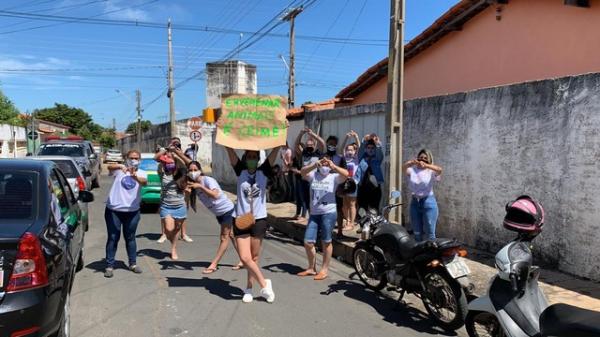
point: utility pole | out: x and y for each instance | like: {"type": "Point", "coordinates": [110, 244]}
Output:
{"type": "Point", "coordinates": [114, 124]}
{"type": "Point", "coordinates": [138, 99]}
{"type": "Point", "coordinates": [32, 134]}
{"type": "Point", "coordinates": [171, 90]}
{"type": "Point", "coordinates": [395, 103]}
{"type": "Point", "coordinates": [291, 17]}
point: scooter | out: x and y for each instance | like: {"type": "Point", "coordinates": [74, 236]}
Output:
{"type": "Point", "coordinates": [433, 270]}
{"type": "Point", "coordinates": [515, 306]}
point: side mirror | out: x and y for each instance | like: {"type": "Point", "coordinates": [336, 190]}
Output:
{"type": "Point", "coordinates": [93, 156]}
{"type": "Point", "coordinates": [362, 212]}
{"type": "Point", "coordinates": [85, 196]}
{"type": "Point", "coordinates": [395, 194]}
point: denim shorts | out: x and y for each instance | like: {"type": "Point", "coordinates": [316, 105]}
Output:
{"type": "Point", "coordinates": [321, 224]}
{"type": "Point", "coordinates": [226, 219]}
{"type": "Point", "coordinates": [177, 212]}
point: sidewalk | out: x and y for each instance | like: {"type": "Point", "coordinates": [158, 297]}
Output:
{"type": "Point", "coordinates": [558, 287]}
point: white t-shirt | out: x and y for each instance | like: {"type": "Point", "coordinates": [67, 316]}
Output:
{"type": "Point", "coordinates": [125, 194]}
{"type": "Point", "coordinates": [218, 206]}
{"type": "Point", "coordinates": [252, 187]}
{"type": "Point", "coordinates": [322, 192]}
{"type": "Point", "coordinates": [420, 181]}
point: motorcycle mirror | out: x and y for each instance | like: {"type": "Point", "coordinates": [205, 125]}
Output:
{"type": "Point", "coordinates": [373, 211]}
{"type": "Point", "coordinates": [395, 194]}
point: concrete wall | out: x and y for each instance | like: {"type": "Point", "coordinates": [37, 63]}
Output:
{"type": "Point", "coordinates": [160, 135]}
{"type": "Point", "coordinates": [534, 40]}
{"type": "Point", "coordinates": [8, 135]}
{"type": "Point", "coordinates": [539, 138]}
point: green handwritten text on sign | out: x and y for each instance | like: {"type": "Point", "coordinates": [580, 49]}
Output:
{"type": "Point", "coordinates": [252, 122]}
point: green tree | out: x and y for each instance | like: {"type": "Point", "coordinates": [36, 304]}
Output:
{"type": "Point", "coordinates": [146, 125]}
{"type": "Point", "coordinates": [75, 118]}
{"type": "Point", "coordinates": [107, 140]}
{"type": "Point", "coordinates": [8, 111]}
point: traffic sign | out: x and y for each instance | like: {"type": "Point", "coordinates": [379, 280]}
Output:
{"type": "Point", "coordinates": [194, 123]}
{"type": "Point", "coordinates": [195, 136]}
{"type": "Point", "coordinates": [33, 135]}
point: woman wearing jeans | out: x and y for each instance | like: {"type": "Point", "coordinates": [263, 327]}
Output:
{"type": "Point", "coordinates": [323, 212]}
{"type": "Point", "coordinates": [123, 210]}
{"type": "Point", "coordinates": [421, 175]}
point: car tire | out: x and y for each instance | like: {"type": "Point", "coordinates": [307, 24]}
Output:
{"type": "Point", "coordinates": [65, 323]}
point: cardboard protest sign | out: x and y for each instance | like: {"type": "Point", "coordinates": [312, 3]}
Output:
{"type": "Point", "coordinates": [252, 122]}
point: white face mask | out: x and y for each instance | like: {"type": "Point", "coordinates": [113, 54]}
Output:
{"type": "Point", "coordinates": [324, 170]}
{"type": "Point", "coordinates": [133, 163]}
{"type": "Point", "coordinates": [194, 175]}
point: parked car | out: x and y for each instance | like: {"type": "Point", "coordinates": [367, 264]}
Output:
{"type": "Point", "coordinates": [41, 247]}
{"type": "Point", "coordinates": [80, 150]}
{"type": "Point", "coordinates": [113, 156]}
{"type": "Point", "coordinates": [76, 180]}
{"type": "Point", "coordinates": [151, 191]}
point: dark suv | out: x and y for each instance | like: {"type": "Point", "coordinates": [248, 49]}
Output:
{"type": "Point", "coordinates": [41, 248]}
{"type": "Point", "coordinates": [79, 149]}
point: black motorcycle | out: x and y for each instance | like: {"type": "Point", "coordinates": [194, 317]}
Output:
{"type": "Point", "coordinates": [434, 271]}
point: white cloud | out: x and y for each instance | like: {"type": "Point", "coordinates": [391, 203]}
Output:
{"type": "Point", "coordinates": [28, 62]}
{"type": "Point", "coordinates": [119, 11]}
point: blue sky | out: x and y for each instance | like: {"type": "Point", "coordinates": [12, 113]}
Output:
{"type": "Point", "coordinates": [90, 62]}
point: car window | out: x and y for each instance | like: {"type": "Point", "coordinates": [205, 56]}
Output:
{"type": "Point", "coordinates": [59, 193]}
{"type": "Point", "coordinates": [149, 165]}
{"type": "Point", "coordinates": [67, 167]}
{"type": "Point", "coordinates": [18, 191]}
{"type": "Point", "coordinates": [69, 150]}
{"type": "Point", "coordinates": [66, 188]}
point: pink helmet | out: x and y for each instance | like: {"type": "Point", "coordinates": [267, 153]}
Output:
{"type": "Point", "coordinates": [524, 215]}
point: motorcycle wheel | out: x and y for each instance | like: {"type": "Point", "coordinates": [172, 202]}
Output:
{"type": "Point", "coordinates": [366, 264]}
{"type": "Point", "coordinates": [483, 324]}
{"type": "Point", "coordinates": [444, 299]}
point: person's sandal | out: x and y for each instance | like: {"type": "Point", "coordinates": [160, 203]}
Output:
{"type": "Point", "coordinates": [307, 273]}
{"type": "Point", "coordinates": [320, 276]}
{"type": "Point", "coordinates": [210, 270]}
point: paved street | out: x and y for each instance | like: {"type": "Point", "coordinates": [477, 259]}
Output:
{"type": "Point", "coordinates": [173, 298]}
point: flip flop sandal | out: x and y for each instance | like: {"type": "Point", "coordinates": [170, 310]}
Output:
{"type": "Point", "coordinates": [320, 276]}
{"type": "Point", "coordinates": [306, 273]}
{"type": "Point", "coordinates": [238, 267]}
{"type": "Point", "coordinates": [209, 270]}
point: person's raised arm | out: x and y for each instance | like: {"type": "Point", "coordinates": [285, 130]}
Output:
{"type": "Point", "coordinates": [159, 153]}
{"type": "Point", "coordinates": [115, 167]}
{"type": "Point", "coordinates": [319, 140]}
{"type": "Point", "coordinates": [297, 146]}
{"type": "Point", "coordinates": [340, 170]}
{"type": "Point", "coordinates": [309, 168]}
{"type": "Point", "coordinates": [233, 157]}
{"type": "Point", "coordinates": [181, 156]}
{"type": "Point", "coordinates": [434, 168]}
{"type": "Point", "coordinates": [408, 164]}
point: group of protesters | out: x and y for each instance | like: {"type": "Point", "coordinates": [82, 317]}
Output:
{"type": "Point", "coordinates": [331, 181]}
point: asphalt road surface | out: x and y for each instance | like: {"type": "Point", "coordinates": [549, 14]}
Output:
{"type": "Point", "coordinates": [173, 298]}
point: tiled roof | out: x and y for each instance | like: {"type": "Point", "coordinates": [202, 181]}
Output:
{"type": "Point", "coordinates": [450, 21]}
{"type": "Point", "coordinates": [296, 113]}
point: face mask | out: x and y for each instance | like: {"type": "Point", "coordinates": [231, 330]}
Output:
{"type": "Point", "coordinates": [370, 152]}
{"type": "Point", "coordinates": [170, 167]}
{"type": "Point", "coordinates": [251, 164]}
{"type": "Point", "coordinates": [194, 175]}
{"type": "Point", "coordinates": [133, 163]}
{"type": "Point", "coordinates": [310, 149]}
{"type": "Point", "coordinates": [324, 170]}
{"type": "Point", "coordinates": [331, 149]}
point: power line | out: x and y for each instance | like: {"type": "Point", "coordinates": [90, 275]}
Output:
{"type": "Point", "coordinates": [55, 11]}
{"type": "Point", "coordinates": [76, 69]}
{"type": "Point", "coordinates": [74, 20]}
{"type": "Point", "coordinates": [156, 25]}
{"type": "Point", "coordinates": [362, 8]}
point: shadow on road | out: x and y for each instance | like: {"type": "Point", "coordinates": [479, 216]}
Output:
{"type": "Point", "coordinates": [153, 253]}
{"type": "Point", "coordinates": [283, 268]}
{"type": "Point", "coordinates": [99, 266]}
{"type": "Point", "coordinates": [403, 315]}
{"type": "Point", "coordinates": [183, 265]}
{"type": "Point", "coordinates": [216, 287]}
{"type": "Point", "coordinates": [149, 236]}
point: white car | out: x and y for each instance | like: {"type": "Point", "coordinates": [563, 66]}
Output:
{"type": "Point", "coordinates": [113, 155]}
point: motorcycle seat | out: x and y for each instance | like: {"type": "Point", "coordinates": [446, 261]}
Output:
{"type": "Point", "coordinates": [563, 320]}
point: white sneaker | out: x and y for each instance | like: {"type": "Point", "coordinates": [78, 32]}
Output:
{"type": "Point", "coordinates": [162, 239]}
{"type": "Point", "coordinates": [247, 296]}
{"type": "Point", "coordinates": [186, 238]}
{"type": "Point", "coordinates": [267, 292]}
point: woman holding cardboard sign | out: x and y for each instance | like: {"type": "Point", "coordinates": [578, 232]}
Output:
{"type": "Point", "coordinates": [250, 224]}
